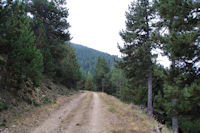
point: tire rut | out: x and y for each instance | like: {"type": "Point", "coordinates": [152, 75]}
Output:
{"type": "Point", "coordinates": [87, 117]}
{"type": "Point", "coordinates": [96, 120]}
{"type": "Point", "coordinates": [53, 122]}
{"type": "Point", "coordinates": [76, 121]}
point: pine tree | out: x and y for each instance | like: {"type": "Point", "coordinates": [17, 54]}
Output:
{"type": "Point", "coordinates": [42, 44]}
{"type": "Point", "coordinates": [67, 68]}
{"type": "Point", "coordinates": [101, 75]}
{"type": "Point", "coordinates": [137, 50]}
{"type": "Point", "coordinates": [24, 60]}
{"type": "Point", "coordinates": [5, 19]}
{"type": "Point", "coordinates": [53, 15]}
{"type": "Point", "coordinates": [51, 28]}
{"type": "Point", "coordinates": [181, 45]}
{"type": "Point", "coordinates": [89, 84]}
{"type": "Point", "coordinates": [118, 81]}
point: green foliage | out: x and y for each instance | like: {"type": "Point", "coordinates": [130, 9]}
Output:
{"type": "Point", "coordinates": [67, 68]}
{"type": "Point", "coordinates": [53, 16]}
{"type": "Point", "coordinates": [42, 44]}
{"type": "Point", "coordinates": [3, 123]}
{"type": "Point", "coordinates": [24, 60]}
{"type": "Point", "coordinates": [50, 26]}
{"type": "Point", "coordinates": [6, 15]}
{"type": "Point", "coordinates": [81, 83]}
{"type": "Point", "coordinates": [26, 64]}
{"type": "Point", "coordinates": [189, 107]}
{"type": "Point", "coordinates": [101, 75]}
{"type": "Point", "coordinates": [118, 81]}
{"type": "Point", "coordinates": [107, 84]}
{"type": "Point", "coordinates": [181, 45]}
{"type": "Point", "coordinates": [126, 94]}
{"type": "Point", "coordinates": [88, 58]}
{"type": "Point", "coordinates": [3, 105]}
{"type": "Point", "coordinates": [89, 83]}
{"type": "Point", "coordinates": [31, 44]}
{"type": "Point", "coordinates": [137, 48]}
{"type": "Point", "coordinates": [47, 100]}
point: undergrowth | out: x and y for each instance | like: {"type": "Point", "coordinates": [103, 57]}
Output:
{"type": "Point", "coordinates": [14, 105]}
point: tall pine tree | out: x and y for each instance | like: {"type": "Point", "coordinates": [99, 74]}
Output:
{"type": "Point", "coordinates": [67, 68]}
{"type": "Point", "coordinates": [51, 28]}
{"type": "Point", "coordinates": [181, 44]}
{"type": "Point", "coordinates": [24, 60]}
{"type": "Point", "coordinates": [53, 15]}
{"type": "Point", "coordinates": [137, 59]}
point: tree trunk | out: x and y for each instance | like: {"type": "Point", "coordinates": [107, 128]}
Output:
{"type": "Point", "coordinates": [6, 74]}
{"type": "Point", "coordinates": [175, 124]}
{"type": "Point", "coordinates": [118, 88]}
{"type": "Point", "coordinates": [150, 107]}
{"type": "Point", "coordinates": [174, 101]}
{"type": "Point", "coordinates": [174, 120]}
{"type": "Point", "coordinates": [102, 85]}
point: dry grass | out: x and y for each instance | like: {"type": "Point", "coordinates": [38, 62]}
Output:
{"type": "Point", "coordinates": [124, 119]}
{"type": "Point", "coordinates": [38, 115]}
{"type": "Point", "coordinates": [26, 116]}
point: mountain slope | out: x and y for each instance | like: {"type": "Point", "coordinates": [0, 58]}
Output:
{"type": "Point", "coordinates": [87, 57]}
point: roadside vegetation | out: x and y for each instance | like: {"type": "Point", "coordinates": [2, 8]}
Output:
{"type": "Point", "coordinates": [170, 95]}
{"type": "Point", "coordinates": [129, 118]}
{"type": "Point", "coordinates": [38, 63]}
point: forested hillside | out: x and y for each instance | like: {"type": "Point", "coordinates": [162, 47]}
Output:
{"type": "Point", "coordinates": [88, 57]}
{"type": "Point", "coordinates": [32, 47]}
{"type": "Point", "coordinates": [38, 64]}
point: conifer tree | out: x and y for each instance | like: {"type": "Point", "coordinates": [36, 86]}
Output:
{"type": "Point", "coordinates": [118, 81]}
{"type": "Point", "coordinates": [67, 68]}
{"type": "Point", "coordinates": [42, 44]}
{"type": "Point", "coordinates": [51, 28]}
{"type": "Point", "coordinates": [181, 45]}
{"type": "Point", "coordinates": [101, 75]}
{"type": "Point", "coordinates": [137, 57]}
{"type": "Point", "coordinates": [89, 83]}
{"type": "Point", "coordinates": [24, 60]}
{"type": "Point", "coordinates": [53, 15]}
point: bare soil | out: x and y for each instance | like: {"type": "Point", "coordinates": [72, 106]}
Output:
{"type": "Point", "coordinates": [87, 112]}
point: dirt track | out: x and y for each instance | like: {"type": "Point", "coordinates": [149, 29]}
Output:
{"type": "Point", "coordinates": [81, 115]}
{"type": "Point", "coordinates": [87, 112]}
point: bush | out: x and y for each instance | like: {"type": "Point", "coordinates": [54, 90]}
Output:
{"type": "Point", "coordinates": [3, 105]}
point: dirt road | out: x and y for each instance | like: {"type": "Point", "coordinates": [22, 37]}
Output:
{"type": "Point", "coordinates": [81, 115]}
{"type": "Point", "coordinates": [88, 112]}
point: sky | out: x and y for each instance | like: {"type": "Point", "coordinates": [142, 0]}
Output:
{"type": "Point", "coordinates": [97, 23]}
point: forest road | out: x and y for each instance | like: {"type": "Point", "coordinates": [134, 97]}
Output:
{"type": "Point", "coordinates": [82, 115]}
{"type": "Point", "coordinates": [85, 112]}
